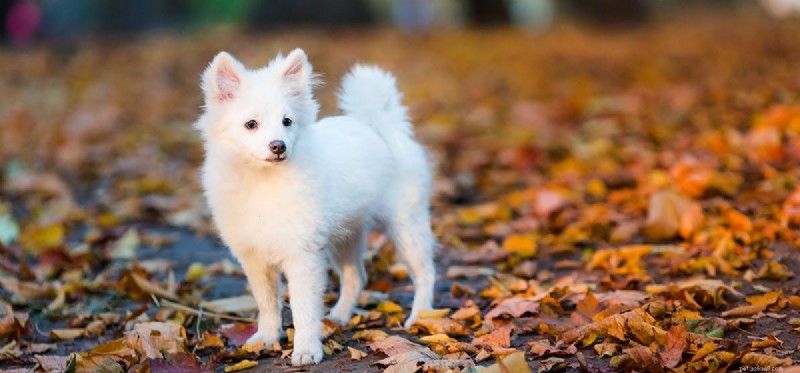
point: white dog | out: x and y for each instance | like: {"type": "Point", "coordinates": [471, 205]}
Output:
{"type": "Point", "coordinates": [290, 194]}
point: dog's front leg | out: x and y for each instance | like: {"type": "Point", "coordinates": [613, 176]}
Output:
{"type": "Point", "coordinates": [306, 275]}
{"type": "Point", "coordinates": [264, 280]}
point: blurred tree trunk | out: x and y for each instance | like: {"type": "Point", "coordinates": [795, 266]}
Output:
{"type": "Point", "coordinates": [268, 14]}
{"type": "Point", "coordinates": [488, 12]}
{"type": "Point", "coordinates": [611, 12]}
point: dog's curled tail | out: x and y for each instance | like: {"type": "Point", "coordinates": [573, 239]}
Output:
{"type": "Point", "coordinates": [370, 94]}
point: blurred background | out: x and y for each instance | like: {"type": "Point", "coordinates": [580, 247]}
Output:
{"type": "Point", "coordinates": [61, 20]}
{"type": "Point", "coordinates": [98, 97]}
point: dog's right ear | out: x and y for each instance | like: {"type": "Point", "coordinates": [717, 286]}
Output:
{"type": "Point", "coordinates": [222, 79]}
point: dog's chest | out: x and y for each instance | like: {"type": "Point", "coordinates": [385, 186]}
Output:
{"type": "Point", "coordinates": [254, 213]}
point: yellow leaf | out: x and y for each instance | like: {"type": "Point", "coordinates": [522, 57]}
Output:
{"type": "Point", "coordinates": [65, 334]}
{"type": "Point", "coordinates": [242, 365]}
{"type": "Point", "coordinates": [512, 363]}
{"type": "Point", "coordinates": [434, 314]}
{"type": "Point", "coordinates": [35, 238]}
{"type": "Point", "coordinates": [524, 246]}
{"type": "Point", "coordinates": [196, 271]}
{"type": "Point", "coordinates": [389, 307]}
{"type": "Point", "coordinates": [436, 338]}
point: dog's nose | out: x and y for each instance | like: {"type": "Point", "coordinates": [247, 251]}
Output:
{"type": "Point", "coordinates": [277, 147]}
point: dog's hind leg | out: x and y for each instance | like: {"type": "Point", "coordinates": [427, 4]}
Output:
{"type": "Point", "coordinates": [348, 261]}
{"type": "Point", "coordinates": [411, 234]}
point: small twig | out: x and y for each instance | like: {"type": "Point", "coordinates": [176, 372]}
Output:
{"type": "Point", "coordinates": [177, 306]}
{"type": "Point", "coordinates": [197, 329]}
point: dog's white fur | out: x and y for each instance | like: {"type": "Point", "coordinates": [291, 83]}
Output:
{"type": "Point", "coordinates": [342, 178]}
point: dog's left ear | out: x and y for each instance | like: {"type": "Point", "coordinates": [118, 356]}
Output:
{"type": "Point", "coordinates": [297, 73]}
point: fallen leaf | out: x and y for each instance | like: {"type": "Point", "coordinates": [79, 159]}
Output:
{"type": "Point", "coordinates": [356, 354]}
{"type": "Point", "coordinates": [766, 361]}
{"type": "Point", "coordinates": [669, 214]}
{"type": "Point", "coordinates": [66, 334]}
{"type": "Point", "coordinates": [238, 333]}
{"type": "Point", "coordinates": [242, 365]}
{"type": "Point", "coordinates": [242, 303]}
{"type": "Point", "coordinates": [512, 363]}
{"type": "Point", "coordinates": [370, 335]}
{"type": "Point", "coordinates": [521, 245]}
{"type": "Point", "coordinates": [676, 344]}
{"type": "Point", "coordinates": [52, 363]}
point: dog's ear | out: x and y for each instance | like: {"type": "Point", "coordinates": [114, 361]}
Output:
{"type": "Point", "coordinates": [222, 79]}
{"type": "Point", "coordinates": [297, 73]}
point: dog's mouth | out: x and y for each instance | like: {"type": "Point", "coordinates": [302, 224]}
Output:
{"type": "Point", "coordinates": [277, 159]}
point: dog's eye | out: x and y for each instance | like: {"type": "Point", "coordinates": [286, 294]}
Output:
{"type": "Point", "coordinates": [251, 124]}
{"type": "Point", "coordinates": [287, 121]}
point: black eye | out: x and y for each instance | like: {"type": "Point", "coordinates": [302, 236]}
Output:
{"type": "Point", "coordinates": [287, 121]}
{"type": "Point", "coordinates": [251, 124]}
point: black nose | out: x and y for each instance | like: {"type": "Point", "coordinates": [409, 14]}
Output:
{"type": "Point", "coordinates": [278, 147]}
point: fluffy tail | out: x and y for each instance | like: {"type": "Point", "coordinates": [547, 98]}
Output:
{"type": "Point", "coordinates": [370, 94]}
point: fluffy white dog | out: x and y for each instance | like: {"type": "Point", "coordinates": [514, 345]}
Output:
{"type": "Point", "coordinates": [290, 194]}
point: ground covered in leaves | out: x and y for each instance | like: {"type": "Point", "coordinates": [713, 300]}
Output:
{"type": "Point", "coordinates": [605, 201]}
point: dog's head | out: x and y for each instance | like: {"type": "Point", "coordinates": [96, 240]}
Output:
{"type": "Point", "coordinates": [258, 114]}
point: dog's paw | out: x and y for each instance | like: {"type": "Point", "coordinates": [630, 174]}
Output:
{"type": "Point", "coordinates": [306, 354]}
{"type": "Point", "coordinates": [267, 338]}
{"type": "Point", "coordinates": [339, 317]}
{"type": "Point", "coordinates": [411, 320]}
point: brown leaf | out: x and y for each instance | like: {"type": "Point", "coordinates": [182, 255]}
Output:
{"type": "Point", "coordinates": [153, 339]}
{"type": "Point", "coordinates": [607, 348]}
{"type": "Point", "coordinates": [766, 361]}
{"type": "Point", "coordinates": [52, 363]}
{"type": "Point", "coordinates": [370, 335]}
{"type": "Point", "coordinates": [498, 338]}
{"type": "Point", "coordinates": [14, 325]}
{"type": "Point", "coordinates": [748, 310]}
{"type": "Point", "coordinates": [403, 355]}
{"type": "Point", "coordinates": [544, 348]}
{"type": "Point", "coordinates": [450, 327]}
{"type": "Point", "coordinates": [770, 341]}
{"type": "Point", "coordinates": [137, 286]}
{"type": "Point", "coordinates": [676, 344]}
{"type": "Point", "coordinates": [238, 333]}
{"type": "Point", "coordinates": [642, 358]}
{"type": "Point", "coordinates": [513, 308]}
{"type": "Point", "coordinates": [10, 351]}
{"type": "Point", "coordinates": [669, 214]}
{"type": "Point", "coordinates": [209, 340]}
{"type": "Point", "coordinates": [774, 271]}
{"type": "Point", "coordinates": [180, 363]}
